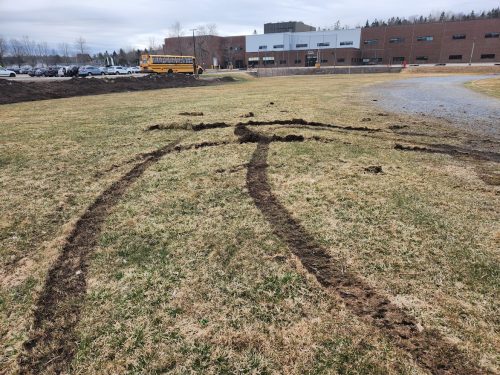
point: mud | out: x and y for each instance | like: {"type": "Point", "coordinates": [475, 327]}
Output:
{"type": "Point", "coordinates": [191, 114]}
{"type": "Point", "coordinates": [299, 121]}
{"type": "Point", "coordinates": [428, 348]}
{"type": "Point", "coordinates": [455, 151]}
{"type": "Point", "coordinates": [15, 92]}
{"type": "Point", "coordinates": [196, 146]}
{"type": "Point", "coordinates": [214, 125]}
{"type": "Point", "coordinates": [375, 169]}
{"type": "Point", "coordinates": [53, 342]}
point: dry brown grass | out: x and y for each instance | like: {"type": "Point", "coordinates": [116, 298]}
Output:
{"type": "Point", "coordinates": [461, 69]}
{"type": "Point", "coordinates": [189, 277]}
{"type": "Point", "coordinates": [487, 86]}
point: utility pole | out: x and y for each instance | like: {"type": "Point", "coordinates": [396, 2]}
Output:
{"type": "Point", "coordinates": [195, 64]}
{"type": "Point", "coordinates": [472, 52]}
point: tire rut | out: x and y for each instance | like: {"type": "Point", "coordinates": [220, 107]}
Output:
{"type": "Point", "coordinates": [428, 348]}
{"type": "Point", "coordinates": [53, 340]}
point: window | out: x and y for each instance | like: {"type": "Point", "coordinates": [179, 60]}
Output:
{"type": "Point", "coordinates": [268, 60]}
{"type": "Point", "coordinates": [422, 58]}
{"type": "Point", "coordinates": [371, 41]}
{"type": "Point", "coordinates": [347, 43]}
{"type": "Point", "coordinates": [253, 60]}
{"type": "Point", "coordinates": [301, 45]}
{"type": "Point", "coordinates": [324, 60]}
{"type": "Point", "coordinates": [397, 40]}
{"type": "Point", "coordinates": [326, 44]}
{"type": "Point", "coordinates": [298, 61]}
{"type": "Point", "coordinates": [262, 47]}
{"type": "Point", "coordinates": [455, 57]}
{"type": "Point", "coordinates": [492, 35]}
{"type": "Point", "coordinates": [279, 46]}
{"type": "Point", "coordinates": [340, 59]}
{"type": "Point", "coordinates": [355, 60]}
{"type": "Point", "coordinates": [458, 36]}
{"type": "Point", "coordinates": [282, 62]}
{"type": "Point", "coordinates": [488, 56]}
{"type": "Point", "coordinates": [398, 59]}
{"type": "Point", "coordinates": [425, 38]}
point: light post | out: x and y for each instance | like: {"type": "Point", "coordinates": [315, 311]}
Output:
{"type": "Point", "coordinates": [472, 51]}
{"type": "Point", "coordinates": [195, 67]}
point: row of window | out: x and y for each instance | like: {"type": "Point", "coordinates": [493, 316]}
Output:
{"type": "Point", "coordinates": [268, 61]}
{"type": "Point", "coordinates": [305, 45]}
{"type": "Point", "coordinates": [427, 38]}
{"type": "Point", "coordinates": [484, 56]}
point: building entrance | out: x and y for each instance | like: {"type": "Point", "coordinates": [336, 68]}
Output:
{"type": "Point", "coordinates": [311, 60]}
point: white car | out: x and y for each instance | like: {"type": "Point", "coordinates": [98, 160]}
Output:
{"type": "Point", "coordinates": [134, 69]}
{"type": "Point", "coordinates": [7, 73]}
{"type": "Point", "coordinates": [116, 70]}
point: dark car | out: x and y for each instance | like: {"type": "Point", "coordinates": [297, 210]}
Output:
{"type": "Point", "coordinates": [52, 71]}
{"type": "Point", "coordinates": [89, 70]}
{"type": "Point", "coordinates": [39, 72]}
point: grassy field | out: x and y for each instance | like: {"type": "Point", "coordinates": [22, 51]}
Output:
{"type": "Point", "coordinates": [188, 275]}
{"type": "Point", "coordinates": [486, 86]}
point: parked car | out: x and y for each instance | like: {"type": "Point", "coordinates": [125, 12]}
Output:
{"type": "Point", "coordinates": [134, 69]}
{"type": "Point", "coordinates": [15, 69]}
{"type": "Point", "coordinates": [25, 69]}
{"type": "Point", "coordinates": [52, 71]}
{"type": "Point", "coordinates": [7, 73]}
{"type": "Point", "coordinates": [116, 70]}
{"type": "Point", "coordinates": [89, 70]}
{"type": "Point", "coordinates": [40, 72]}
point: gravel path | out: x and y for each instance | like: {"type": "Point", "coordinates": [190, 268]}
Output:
{"type": "Point", "coordinates": [443, 97]}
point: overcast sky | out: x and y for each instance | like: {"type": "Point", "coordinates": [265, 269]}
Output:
{"type": "Point", "coordinates": [111, 24]}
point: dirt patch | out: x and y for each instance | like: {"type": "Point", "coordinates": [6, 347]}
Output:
{"type": "Point", "coordinates": [15, 92]}
{"type": "Point", "coordinates": [429, 349]}
{"type": "Point", "coordinates": [191, 114]}
{"type": "Point", "coordinates": [52, 343]}
{"type": "Point", "coordinates": [214, 125]}
{"type": "Point", "coordinates": [452, 151]}
{"type": "Point", "coordinates": [299, 121]}
{"type": "Point", "coordinates": [375, 169]}
{"type": "Point", "coordinates": [196, 146]}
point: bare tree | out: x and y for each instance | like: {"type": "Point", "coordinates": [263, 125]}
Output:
{"type": "Point", "coordinates": [154, 46]}
{"type": "Point", "coordinates": [3, 48]}
{"type": "Point", "coordinates": [17, 50]}
{"type": "Point", "coordinates": [29, 49]}
{"type": "Point", "coordinates": [42, 51]}
{"type": "Point", "coordinates": [64, 50]}
{"type": "Point", "coordinates": [212, 29]}
{"type": "Point", "coordinates": [81, 45]}
{"type": "Point", "coordinates": [176, 31]}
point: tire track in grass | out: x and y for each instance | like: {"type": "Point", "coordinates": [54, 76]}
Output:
{"type": "Point", "coordinates": [427, 347]}
{"type": "Point", "coordinates": [53, 342]}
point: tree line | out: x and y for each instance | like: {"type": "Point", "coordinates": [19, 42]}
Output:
{"type": "Point", "coordinates": [27, 51]}
{"type": "Point", "coordinates": [437, 17]}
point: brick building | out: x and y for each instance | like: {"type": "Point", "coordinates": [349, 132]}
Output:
{"type": "Point", "coordinates": [211, 50]}
{"type": "Point", "coordinates": [477, 41]}
{"type": "Point", "coordinates": [443, 42]}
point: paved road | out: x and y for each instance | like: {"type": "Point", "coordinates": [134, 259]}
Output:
{"type": "Point", "coordinates": [443, 97]}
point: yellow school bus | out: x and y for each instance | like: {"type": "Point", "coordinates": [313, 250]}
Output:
{"type": "Point", "coordinates": [168, 64]}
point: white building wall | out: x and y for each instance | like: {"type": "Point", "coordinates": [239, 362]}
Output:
{"type": "Point", "coordinates": [309, 40]}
